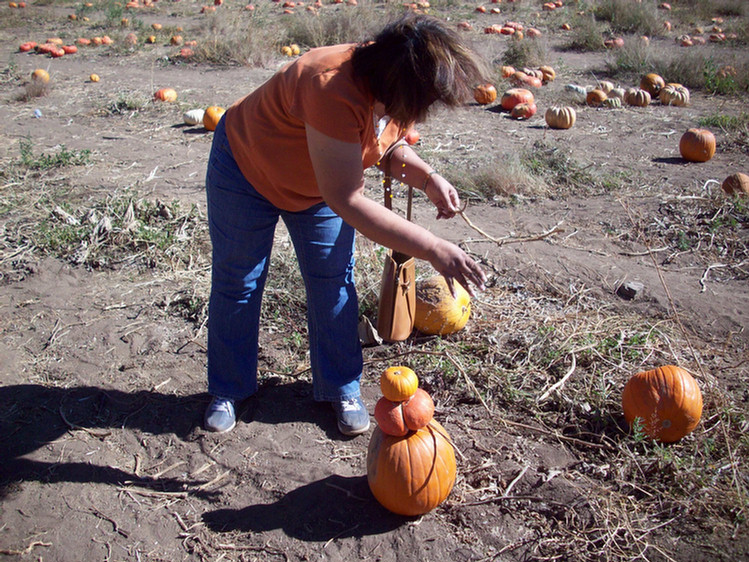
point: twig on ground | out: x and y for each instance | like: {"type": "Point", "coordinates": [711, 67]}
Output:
{"type": "Point", "coordinates": [116, 527]}
{"type": "Point", "coordinates": [560, 383]}
{"type": "Point", "coordinates": [26, 550]}
{"type": "Point", "coordinates": [98, 434]}
{"type": "Point", "coordinates": [515, 480]}
{"type": "Point", "coordinates": [510, 239]}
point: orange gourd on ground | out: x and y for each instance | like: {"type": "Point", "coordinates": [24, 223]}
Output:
{"type": "Point", "coordinates": [514, 96]}
{"type": "Point", "coordinates": [40, 75]}
{"type": "Point", "coordinates": [667, 401]}
{"type": "Point", "coordinates": [652, 84]}
{"type": "Point", "coordinates": [212, 116]}
{"type": "Point", "coordinates": [697, 145]}
{"type": "Point", "coordinates": [595, 98]}
{"type": "Point", "coordinates": [165, 94]}
{"type": "Point", "coordinates": [485, 94]}
{"type": "Point", "coordinates": [437, 311]}
{"type": "Point", "coordinates": [411, 475]}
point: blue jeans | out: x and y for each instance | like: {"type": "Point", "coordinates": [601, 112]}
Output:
{"type": "Point", "coordinates": [241, 224]}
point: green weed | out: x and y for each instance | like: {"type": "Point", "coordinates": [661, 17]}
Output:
{"type": "Point", "coordinates": [60, 159]}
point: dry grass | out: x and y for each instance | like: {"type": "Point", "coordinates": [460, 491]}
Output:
{"type": "Point", "coordinates": [339, 24]}
{"type": "Point", "coordinates": [251, 40]}
{"type": "Point", "coordinates": [625, 16]}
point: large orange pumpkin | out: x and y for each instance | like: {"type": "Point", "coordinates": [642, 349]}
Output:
{"type": "Point", "coordinates": [667, 400]}
{"type": "Point", "coordinates": [398, 418]}
{"type": "Point", "coordinates": [652, 84]}
{"type": "Point", "coordinates": [514, 96]}
{"type": "Point", "coordinates": [697, 145]}
{"type": "Point", "coordinates": [437, 312]}
{"type": "Point", "coordinates": [411, 475]}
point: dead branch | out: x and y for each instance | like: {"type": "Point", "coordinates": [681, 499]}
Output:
{"type": "Point", "coordinates": [510, 239]}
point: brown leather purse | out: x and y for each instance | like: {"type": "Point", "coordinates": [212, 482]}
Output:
{"type": "Point", "coordinates": [397, 304]}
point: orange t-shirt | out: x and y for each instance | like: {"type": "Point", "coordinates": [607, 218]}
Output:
{"type": "Point", "coordinates": [266, 128]}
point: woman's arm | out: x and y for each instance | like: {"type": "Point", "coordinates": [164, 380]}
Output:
{"type": "Point", "coordinates": [337, 166]}
{"type": "Point", "coordinates": [407, 167]}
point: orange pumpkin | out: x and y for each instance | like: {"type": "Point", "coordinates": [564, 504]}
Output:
{"type": "Point", "coordinates": [523, 111]}
{"type": "Point", "coordinates": [398, 418]}
{"type": "Point", "coordinates": [411, 475]}
{"type": "Point", "coordinates": [437, 312]}
{"type": "Point", "coordinates": [667, 401]}
{"type": "Point", "coordinates": [595, 98]}
{"type": "Point", "coordinates": [40, 75]}
{"type": "Point", "coordinates": [652, 84]}
{"type": "Point", "coordinates": [165, 94]}
{"type": "Point", "coordinates": [736, 184]}
{"type": "Point", "coordinates": [514, 96]}
{"type": "Point", "coordinates": [697, 145]}
{"type": "Point", "coordinates": [398, 383]}
{"type": "Point", "coordinates": [485, 94]}
{"type": "Point", "coordinates": [212, 116]}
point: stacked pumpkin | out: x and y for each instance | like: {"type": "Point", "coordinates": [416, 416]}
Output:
{"type": "Point", "coordinates": [410, 460]}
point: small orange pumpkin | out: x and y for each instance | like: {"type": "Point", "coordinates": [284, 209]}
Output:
{"type": "Point", "coordinates": [697, 145]}
{"type": "Point", "coordinates": [398, 383]}
{"type": "Point", "coordinates": [411, 475]}
{"type": "Point", "coordinates": [485, 94]}
{"type": "Point", "coordinates": [595, 98]}
{"type": "Point", "coordinates": [667, 400]}
{"type": "Point", "coordinates": [165, 94]}
{"type": "Point", "coordinates": [437, 312]}
{"type": "Point", "coordinates": [40, 75]}
{"type": "Point", "coordinates": [212, 116]}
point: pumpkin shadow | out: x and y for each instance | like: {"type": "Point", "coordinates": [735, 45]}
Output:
{"type": "Point", "coordinates": [670, 160]}
{"type": "Point", "coordinates": [331, 508]}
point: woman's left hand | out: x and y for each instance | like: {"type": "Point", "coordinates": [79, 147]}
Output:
{"type": "Point", "coordinates": [444, 196]}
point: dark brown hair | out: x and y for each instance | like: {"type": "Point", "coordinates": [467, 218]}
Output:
{"type": "Point", "coordinates": [414, 62]}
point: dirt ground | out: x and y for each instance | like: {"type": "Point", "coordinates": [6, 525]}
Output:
{"type": "Point", "coordinates": [102, 452]}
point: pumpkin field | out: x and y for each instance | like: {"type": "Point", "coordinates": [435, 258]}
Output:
{"type": "Point", "coordinates": [604, 173]}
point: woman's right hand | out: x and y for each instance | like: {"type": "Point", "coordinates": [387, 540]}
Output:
{"type": "Point", "coordinates": [453, 263]}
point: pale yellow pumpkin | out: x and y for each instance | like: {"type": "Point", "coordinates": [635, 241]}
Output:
{"type": "Point", "coordinates": [437, 312]}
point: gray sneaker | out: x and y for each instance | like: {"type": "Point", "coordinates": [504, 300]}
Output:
{"type": "Point", "coordinates": [220, 415]}
{"type": "Point", "coordinates": [353, 418]}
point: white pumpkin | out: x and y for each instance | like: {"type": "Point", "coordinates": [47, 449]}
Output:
{"type": "Point", "coordinates": [193, 116]}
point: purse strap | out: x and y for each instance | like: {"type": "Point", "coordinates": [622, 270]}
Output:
{"type": "Point", "coordinates": [388, 181]}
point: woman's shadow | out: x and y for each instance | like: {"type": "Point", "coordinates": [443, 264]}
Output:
{"type": "Point", "coordinates": [34, 416]}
